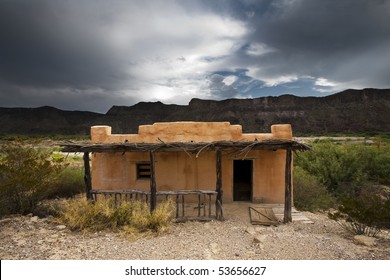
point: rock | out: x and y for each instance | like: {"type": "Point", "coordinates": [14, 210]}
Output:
{"type": "Point", "coordinates": [43, 231]}
{"type": "Point", "coordinates": [214, 248]}
{"type": "Point", "coordinates": [4, 221]}
{"type": "Point", "coordinates": [260, 229]}
{"type": "Point", "coordinates": [250, 254]}
{"type": "Point", "coordinates": [364, 240]}
{"type": "Point", "coordinates": [21, 242]}
{"type": "Point", "coordinates": [259, 238]}
{"type": "Point", "coordinates": [250, 230]}
{"type": "Point", "coordinates": [207, 255]}
{"type": "Point", "coordinates": [61, 227]}
{"type": "Point", "coordinates": [34, 219]}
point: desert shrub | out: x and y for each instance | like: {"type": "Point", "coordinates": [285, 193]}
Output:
{"type": "Point", "coordinates": [366, 213]}
{"type": "Point", "coordinates": [26, 174]}
{"type": "Point", "coordinates": [80, 214]}
{"type": "Point", "coordinates": [338, 166]}
{"type": "Point", "coordinates": [330, 163]}
{"type": "Point", "coordinates": [309, 193]}
{"type": "Point", "coordinates": [70, 182]}
{"type": "Point", "coordinates": [376, 163]}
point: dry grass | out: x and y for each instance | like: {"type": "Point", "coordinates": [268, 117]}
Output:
{"type": "Point", "coordinates": [131, 217]}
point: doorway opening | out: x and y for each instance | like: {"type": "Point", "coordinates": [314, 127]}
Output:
{"type": "Point", "coordinates": [242, 180]}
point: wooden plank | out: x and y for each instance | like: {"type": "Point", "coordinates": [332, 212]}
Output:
{"type": "Point", "coordinates": [287, 193]}
{"type": "Point", "coordinates": [87, 176]}
{"type": "Point", "coordinates": [182, 204]}
{"type": "Point", "coordinates": [262, 216]}
{"type": "Point", "coordinates": [218, 202]}
{"type": "Point", "coordinates": [152, 183]}
{"type": "Point", "coordinates": [177, 205]}
{"type": "Point", "coordinates": [138, 192]}
{"type": "Point", "coordinates": [198, 205]}
{"type": "Point", "coordinates": [204, 205]}
{"type": "Point", "coordinates": [199, 219]}
{"type": "Point", "coordinates": [209, 205]}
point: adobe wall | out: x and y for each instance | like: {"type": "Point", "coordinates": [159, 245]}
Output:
{"type": "Point", "coordinates": [179, 171]}
{"type": "Point", "coordinates": [187, 132]}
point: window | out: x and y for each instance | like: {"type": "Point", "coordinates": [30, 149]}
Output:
{"type": "Point", "coordinates": [143, 170]}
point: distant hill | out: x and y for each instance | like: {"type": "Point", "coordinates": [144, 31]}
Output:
{"type": "Point", "coordinates": [45, 121]}
{"type": "Point", "coordinates": [351, 111]}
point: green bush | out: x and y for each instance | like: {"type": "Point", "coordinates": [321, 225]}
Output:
{"type": "Point", "coordinates": [367, 213]}
{"type": "Point", "coordinates": [337, 166]}
{"type": "Point", "coordinates": [80, 214]}
{"type": "Point", "coordinates": [26, 174]}
{"type": "Point", "coordinates": [309, 193]}
{"type": "Point", "coordinates": [376, 164]}
{"type": "Point", "coordinates": [70, 182]}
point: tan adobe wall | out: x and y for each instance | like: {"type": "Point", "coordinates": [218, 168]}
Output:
{"type": "Point", "coordinates": [179, 171]}
{"type": "Point", "coordinates": [187, 132]}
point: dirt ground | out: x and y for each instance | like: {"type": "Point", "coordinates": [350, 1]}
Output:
{"type": "Point", "coordinates": [29, 237]}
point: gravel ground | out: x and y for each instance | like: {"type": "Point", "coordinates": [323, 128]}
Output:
{"type": "Point", "coordinates": [28, 237]}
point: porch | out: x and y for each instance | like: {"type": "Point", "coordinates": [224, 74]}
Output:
{"type": "Point", "coordinates": [205, 198]}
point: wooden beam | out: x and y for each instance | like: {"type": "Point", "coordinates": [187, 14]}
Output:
{"type": "Point", "coordinates": [152, 183]}
{"type": "Point", "coordinates": [287, 192]}
{"type": "Point", "coordinates": [190, 147]}
{"type": "Point", "coordinates": [87, 176]}
{"type": "Point", "coordinates": [218, 202]}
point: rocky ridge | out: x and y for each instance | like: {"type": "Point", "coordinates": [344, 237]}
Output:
{"type": "Point", "coordinates": [350, 111]}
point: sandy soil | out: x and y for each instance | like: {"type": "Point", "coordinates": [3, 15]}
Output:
{"type": "Point", "coordinates": [29, 237]}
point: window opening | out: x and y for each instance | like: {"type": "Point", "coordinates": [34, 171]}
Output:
{"type": "Point", "coordinates": [143, 171]}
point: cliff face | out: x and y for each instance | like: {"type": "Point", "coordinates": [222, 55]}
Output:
{"type": "Point", "coordinates": [348, 111]}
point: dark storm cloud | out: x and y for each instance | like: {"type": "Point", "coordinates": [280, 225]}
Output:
{"type": "Point", "coordinates": [93, 54]}
{"type": "Point", "coordinates": [344, 41]}
{"type": "Point", "coordinates": [55, 53]}
{"type": "Point", "coordinates": [46, 44]}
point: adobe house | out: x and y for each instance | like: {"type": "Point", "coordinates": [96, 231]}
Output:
{"type": "Point", "coordinates": [203, 158]}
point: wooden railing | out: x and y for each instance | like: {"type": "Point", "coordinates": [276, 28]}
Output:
{"type": "Point", "coordinates": [201, 209]}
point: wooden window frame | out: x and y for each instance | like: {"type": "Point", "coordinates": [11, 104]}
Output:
{"type": "Point", "coordinates": [145, 168]}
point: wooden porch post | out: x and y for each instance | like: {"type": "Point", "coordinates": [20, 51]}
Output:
{"type": "Point", "coordinates": [287, 193]}
{"type": "Point", "coordinates": [152, 183]}
{"type": "Point", "coordinates": [87, 176]}
{"type": "Point", "coordinates": [218, 202]}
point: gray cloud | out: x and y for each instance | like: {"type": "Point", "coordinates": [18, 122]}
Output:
{"type": "Point", "coordinates": [55, 43]}
{"type": "Point", "coordinates": [322, 39]}
{"type": "Point", "coordinates": [94, 54]}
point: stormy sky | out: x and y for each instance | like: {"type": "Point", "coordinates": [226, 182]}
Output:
{"type": "Point", "coordinates": [92, 54]}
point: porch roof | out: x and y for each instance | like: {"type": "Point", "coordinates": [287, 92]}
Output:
{"type": "Point", "coordinates": [189, 147]}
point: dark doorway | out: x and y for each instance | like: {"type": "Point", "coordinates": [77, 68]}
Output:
{"type": "Point", "coordinates": [242, 180]}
